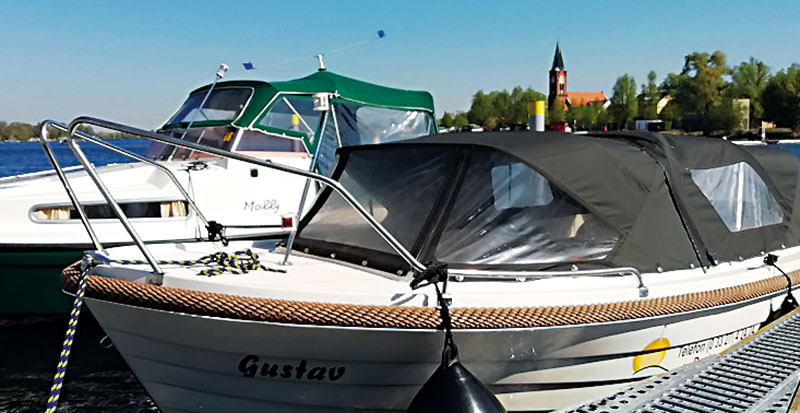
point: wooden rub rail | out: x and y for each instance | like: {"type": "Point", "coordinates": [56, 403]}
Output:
{"type": "Point", "coordinates": [371, 316]}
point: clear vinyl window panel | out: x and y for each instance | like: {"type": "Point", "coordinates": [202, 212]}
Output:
{"type": "Point", "coordinates": [292, 113]}
{"type": "Point", "coordinates": [516, 186]}
{"type": "Point", "coordinates": [739, 195]}
{"type": "Point", "coordinates": [223, 104]}
{"type": "Point", "coordinates": [508, 213]}
{"type": "Point", "coordinates": [361, 125]}
{"type": "Point", "coordinates": [399, 188]}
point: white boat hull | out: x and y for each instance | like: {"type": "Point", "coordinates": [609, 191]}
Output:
{"type": "Point", "coordinates": [195, 363]}
{"type": "Point", "coordinates": [232, 193]}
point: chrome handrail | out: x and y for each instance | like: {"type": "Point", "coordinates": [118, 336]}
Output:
{"type": "Point", "coordinates": [112, 202]}
{"type": "Point", "coordinates": [65, 182]}
{"type": "Point", "coordinates": [125, 152]}
{"type": "Point", "coordinates": [334, 185]}
{"type": "Point", "coordinates": [524, 275]}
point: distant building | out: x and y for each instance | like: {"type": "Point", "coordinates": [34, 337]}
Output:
{"type": "Point", "coordinates": [558, 86]}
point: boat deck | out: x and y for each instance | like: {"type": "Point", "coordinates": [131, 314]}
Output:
{"type": "Point", "coordinates": [760, 374]}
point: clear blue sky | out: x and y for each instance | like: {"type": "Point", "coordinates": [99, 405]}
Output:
{"type": "Point", "coordinates": [135, 62]}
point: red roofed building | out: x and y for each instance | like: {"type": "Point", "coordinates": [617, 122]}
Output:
{"type": "Point", "coordinates": [558, 86]}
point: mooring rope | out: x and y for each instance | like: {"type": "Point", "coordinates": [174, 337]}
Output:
{"type": "Point", "coordinates": [66, 348]}
{"type": "Point", "coordinates": [239, 262]}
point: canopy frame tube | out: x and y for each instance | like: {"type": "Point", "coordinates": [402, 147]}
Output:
{"type": "Point", "coordinates": [338, 188]}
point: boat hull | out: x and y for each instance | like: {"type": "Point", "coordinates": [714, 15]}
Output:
{"type": "Point", "coordinates": [30, 280]}
{"type": "Point", "coordinates": [198, 363]}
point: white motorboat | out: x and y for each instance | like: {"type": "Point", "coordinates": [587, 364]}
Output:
{"type": "Point", "coordinates": [577, 264]}
{"type": "Point", "coordinates": [189, 192]}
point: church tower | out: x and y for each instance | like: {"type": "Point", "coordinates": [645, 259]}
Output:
{"type": "Point", "coordinates": [558, 77]}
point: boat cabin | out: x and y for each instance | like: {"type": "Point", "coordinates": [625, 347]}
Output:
{"type": "Point", "coordinates": [531, 201]}
{"type": "Point", "coordinates": [267, 119]}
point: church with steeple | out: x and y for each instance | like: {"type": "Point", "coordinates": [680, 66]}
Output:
{"type": "Point", "coordinates": [558, 86]}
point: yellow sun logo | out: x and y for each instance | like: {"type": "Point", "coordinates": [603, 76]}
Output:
{"type": "Point", "coordinates": [650, 357]}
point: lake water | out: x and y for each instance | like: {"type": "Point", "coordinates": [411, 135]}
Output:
{"type": "Point", "coordinates": [97, 380]}
{"type": "Point", "coordinates": [23, 157]}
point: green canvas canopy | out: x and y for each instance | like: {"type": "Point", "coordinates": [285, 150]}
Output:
{"type": "Point", "coordinates": [343, 87]}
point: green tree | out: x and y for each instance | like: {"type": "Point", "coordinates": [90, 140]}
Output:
{"type": "Point", "coordinates": [604, 116]}
{"type": "Point", "coordinates": [481, 109]}
{"type": "Point", "coordinates": [624, 105]}
{"type": "Point", "coordinates": [521, 99]}
{"type": "Point", "coordinates": [460, 120]}
{"type": "Point", "coordinates": [88, 130]}
{"type": "Point", "coordinates": [700, 85]}
{"type": "Point", "coordinates": [556, 112]}
{"type": "Point", "coordinates": [586, 117]}
{"type": "Point", "coordinates": [19, 131]}
{"type": "Point", "coordinates": [446, 121]}
{"type": "Point", "coordinates": [501, 107]}
{"type": "Point", "coordinates": [518, 108]}
{"type": "Point", "coordinates": [649, 97]}
{"type": "Point", "coordinates": [782, 98]}
{"type": "Point", "coordinates": [749, 79]}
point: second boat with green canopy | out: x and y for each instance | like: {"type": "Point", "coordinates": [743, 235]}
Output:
{"type": "Point", "coordinates": [286, 122]}
{"type": "Point", "coordinates": [285, 116]}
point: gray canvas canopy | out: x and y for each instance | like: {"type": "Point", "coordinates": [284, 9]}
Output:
{"type": "Point", "coordinates": [538, 201]}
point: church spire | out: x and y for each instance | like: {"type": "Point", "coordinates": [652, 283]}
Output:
{"type": "Point", "coordinates": [558, 61]}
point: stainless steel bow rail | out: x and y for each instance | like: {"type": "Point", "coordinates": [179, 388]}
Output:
{"type": "Point", "coordinates": [760, 375]}
{"type": "Point", "coordinates": [72, 132]}
{"type": "Point", "coordinates": [324, 180]}
{"type": "Point", "coordinates": [89, 168]}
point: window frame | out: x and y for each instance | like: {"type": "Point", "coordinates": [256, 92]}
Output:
{"type": "Point", "coordinates": [205, 123]}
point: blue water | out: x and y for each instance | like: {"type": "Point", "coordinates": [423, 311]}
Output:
{"type": "Point", "coordinates": [23, 157]}
{"type": "Point", "coordinates": [793, 148]}
{"type": "Point", "coordinates": [97, 380]}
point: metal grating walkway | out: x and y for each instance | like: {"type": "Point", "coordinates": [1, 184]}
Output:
{"type": "Point", "coordinates": [760, 375]}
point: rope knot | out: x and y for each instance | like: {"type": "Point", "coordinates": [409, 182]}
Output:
{"type": "Point", "coordinates": [434, 272]}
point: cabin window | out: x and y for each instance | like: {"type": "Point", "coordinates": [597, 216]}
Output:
{"type": "Point", "coordinates": [508, 213]}
{"type": "Point", "coordinates": [292, 113]}
{"type": "Point", "coordinates": [739, 195]}
{"type": "Point", "coordinates": [154, 209]}
{"type": "Point", "coordinates": [223, 104]}
{"type": "Point", "coordinates": [259, 141]}
{"type": "Point", "coordinates": [361, 125]}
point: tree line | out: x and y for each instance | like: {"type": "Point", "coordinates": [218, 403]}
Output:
{"type": "Point", "coordinates": [494, 109]}
{"type": "Point", "coordinates": [701, 97]}
{"type": "Point", "coordinates": [20, 131]}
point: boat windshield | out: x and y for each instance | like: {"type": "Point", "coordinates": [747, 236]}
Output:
{"type": "Point", "coordinates": [221, 137]}
{"type": "Point", "coordinates": [503, 213]}
{"type": "Point", "coordinates": [223, 105]}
